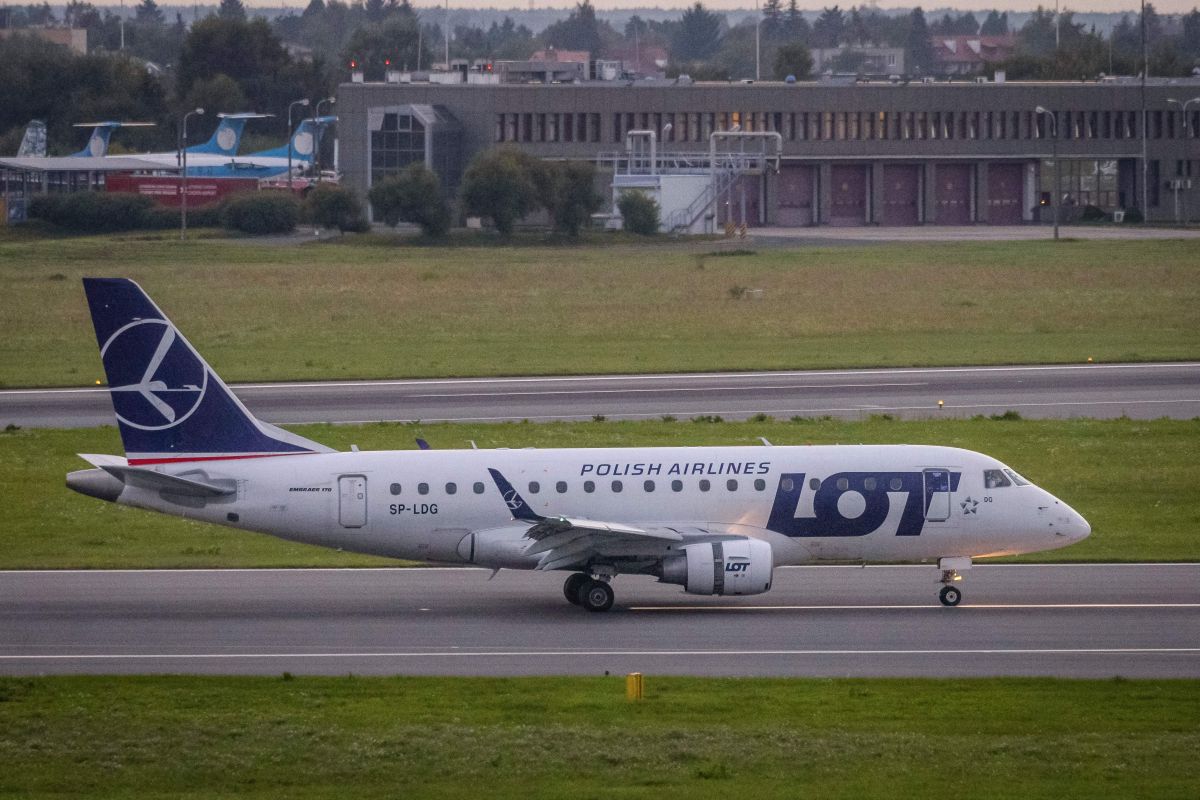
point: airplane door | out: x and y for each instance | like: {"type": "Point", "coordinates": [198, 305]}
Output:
{"type": "Point", "coordinates": [937, 495]}
{"type": "Point", "coordinates": [352, 501]}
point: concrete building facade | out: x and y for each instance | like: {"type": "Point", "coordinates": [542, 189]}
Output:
{"type": "Point", "coordinates": [853, 154]}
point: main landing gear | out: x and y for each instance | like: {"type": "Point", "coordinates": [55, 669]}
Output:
{"type": "Point", "coordinates": [594, 594]}
{"type": "Point", "coordinates": [951, 595]}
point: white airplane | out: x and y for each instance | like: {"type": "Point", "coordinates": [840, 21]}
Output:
{"type": "Point", "coordinates": [715, 520]}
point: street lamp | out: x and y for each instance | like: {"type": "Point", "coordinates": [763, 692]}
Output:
{"type": "Point", "coordinates": [1053, 117]}
{"type": "Point", "coordinates": [183, 160]}
{"type": "Point", "coordinates": [291, 143]}
{"type": "Point", "coordinates": [1189, 133]}
{"type": "Point", "coordinates": [316, 136]}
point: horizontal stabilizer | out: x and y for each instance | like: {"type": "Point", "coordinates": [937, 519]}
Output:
{"type": "Point", "coordinates": [145, 478]}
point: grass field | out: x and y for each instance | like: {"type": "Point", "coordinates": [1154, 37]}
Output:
{"type": "Point", "coordinates": [579, 738]}
{"type": "Point", "coordinates": [341, 310]}
{"type": "Point", "coordinates": [1135, 481]}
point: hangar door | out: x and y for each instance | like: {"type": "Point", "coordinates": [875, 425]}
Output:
{"type": "Point", "coordinates": [901, 194]}
{"type": "Point", "coordinates": [797, 188]}
{"type": "Point", "coordinates": [848, 194]}
{"type": "Point", "coordinates": [1005, 190]}
{"type": "Point", "coordinates": [952, 194]}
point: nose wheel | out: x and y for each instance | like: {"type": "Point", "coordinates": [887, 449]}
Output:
{"type": "Point", "coordinates": [950, 596]}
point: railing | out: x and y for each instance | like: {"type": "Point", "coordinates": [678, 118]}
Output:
{"type": "Point", "coordinates": [623, 162]}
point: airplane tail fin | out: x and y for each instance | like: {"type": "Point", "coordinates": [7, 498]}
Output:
{"type": "Point", "coordinates": [33, 143]}
{"type": "Point", "coordinates": [304, 142]}
{"type": "Point", "coordinates": [97, 145]}
{"type": "Point", "coordinates": [228, 136]}
{"type": "Point", "coordinates": [170, 404]}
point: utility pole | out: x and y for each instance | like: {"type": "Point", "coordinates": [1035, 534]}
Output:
{"type": "Point", "coordinates": [1145, 119]}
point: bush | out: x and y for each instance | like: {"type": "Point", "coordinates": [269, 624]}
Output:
{"type": "Point", "coordinates": [640, 213]}
{"type": "Point", "coordinates": [333, 206]}
{"type": "Point", "coordinates": [501, 184]}
{"type": "Point", "coordinates": [1134, 215]}
{"type": "Point", "coordinates": [93, 212]}
{"type": "Point", "coordinates": [260, 212]}
{"type": "Point", "coordinates": [569, 194]}
{"type": "Point", "coordinates": [415, 195]}
{"type": "Point", "coordinates": [1093, 214]}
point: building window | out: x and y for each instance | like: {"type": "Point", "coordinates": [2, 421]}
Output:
{"type": "Point", "coordinates": [826, 126]}
{"type": "Point", "coordinates": [617, 128]}
{"type": "Point", "coordinates": [527, 127]}
{"type": "Point", "coordinates": [594, 120]}
{"type": "Point", "coordinates": [499, 137]}
{"type": "Point", "coordinates": [568, 127]}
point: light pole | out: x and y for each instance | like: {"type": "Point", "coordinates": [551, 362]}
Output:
{"type": "Point", "coordinates": [757, 46]}
{"type": "Point", "coordinates": [183, 160]}
{"type": "Point", "coordinates": [317, 137]}
{"type": "Point", "coordinates": [291, 144]}
{"type": "Point", "coordinates": [1189, 133]}
{"type": "Point", "coordinates": [1052, 116]}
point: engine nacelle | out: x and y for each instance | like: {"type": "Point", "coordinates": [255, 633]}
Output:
{"type": "Point", "coordinates": [742, 566]}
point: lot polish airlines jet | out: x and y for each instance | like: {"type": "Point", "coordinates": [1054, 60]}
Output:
{"type": "Point", "coordinates": [715, 520]}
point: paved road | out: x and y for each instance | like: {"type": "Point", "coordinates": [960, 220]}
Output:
{"type": "Point", "coordinates": [1068, 620]}
{"type": "Point", "coordinates": [790, 237]}
{"type": "Point", "coordinates": [1094, 390]}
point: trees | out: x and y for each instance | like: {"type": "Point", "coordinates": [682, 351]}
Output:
{"type": "Point", "coordinates": [415, 195]}
{"type": "Point", "coordinates": [698, 35]}
{"type": "Point", "coordinates": [828, 29]}
{"type": "Point", "coordinates": [795, 60]}
{"type": "Point", "coordinates": [579, 31]}
{"type": "Point", "coordinates": [396, 40]}
{"type": "Point", "coordinates": [335, 207]}
{"type": "Point", "coordinates": [499, 184]}
{"type": "Point", "coordinates": [639, 213]}
{"type": "Point", "coordinates": [996, 24]}
{"type": "Point", "coordinates": [919, 47]}
{"type": "Point", "coordinates": [232, 10]}
{"type": "Point", "coordinates": [570, 194]}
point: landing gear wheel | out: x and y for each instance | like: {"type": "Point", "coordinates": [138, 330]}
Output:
{"type": "Point", "coordinates": [950, 596]}
{"type": "Point", "coordinates": [573, 585]}
{"type": "Point", "coordinates": [596, 596]}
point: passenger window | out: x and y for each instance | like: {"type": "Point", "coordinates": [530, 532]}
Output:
{"type": "Point", "coordinates": [451, 488]}
{"type": "Point", "coordinates": [731, 485]}
{"type": "Point", "coordinates": [534, 487]}
{"type": "Point", "coordinates": [648, 486]}
{"type": "Point", "coordinates": [995, 478]}
{"type": "Point", "coordinates": [787, 484]}
{"type": "Point", "coordinates": [617, 486]}
{"type": "Point", "coordinates": [843, 484]}
{"type": "Point", "coordinates": [478, 487]}
{"type": "Point", "coordinates": [676, 486]}
{"type": "Point", "coordinates": [759, 484]}
{"type": "Point", "coordinates": [1017, 479]}
{"type": "Point", "coordinates": [869, 484]}
{"type": "Point", "coordinates": [895, 484]}
{"type": "Point", "coordinates": [422, 488]}
{"type": "Point", "coordinates": [705, 485]}
{"type": "Point", "coordinates": [814, 484]}
{"type": "Point", "coordinates": [589, 486]}
{"type": "Point", "coordinates": [561, 487]}
{"type": "Point", "coordinates": [395, 488]}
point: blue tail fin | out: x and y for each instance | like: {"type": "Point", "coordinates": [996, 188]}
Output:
{"type": "Point", "coordinates": [98, 142]}
{"type": "Point", "coordinates": [169, 403]}
{"type": "Point", "coordinates": [304, 142]}
{"type": "Point", "coordinates": [227, 138]}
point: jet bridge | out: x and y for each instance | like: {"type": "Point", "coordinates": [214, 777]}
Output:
{"type": "Point", "coordinates": [697, 192]}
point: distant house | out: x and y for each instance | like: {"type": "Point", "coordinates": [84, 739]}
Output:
{"type": "Point", "coordinates": [968, 55]}
{"type": "Point", "coordinates": [643, 61]}
{"type": "Point", "coordinates": [74, 39]}
{"type": "Point", "coordinates": [546, 66]}
{"type": "Point", "coordinates": [858, 60]}
{"type": "Point", "coordinates": [552, 55]}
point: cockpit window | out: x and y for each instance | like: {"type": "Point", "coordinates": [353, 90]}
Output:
{"type": "Point", "coordinates": [994, 479]}
{"type": "Point", "coordinates": [1017, 479]}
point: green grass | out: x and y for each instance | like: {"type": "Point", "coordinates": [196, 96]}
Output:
{"type": "Point", "coordinates": [365, 309]}
{"type": "Point", "coordinates": [579, 737]}
{"type": "Point", "coordinates": [1137, 483]}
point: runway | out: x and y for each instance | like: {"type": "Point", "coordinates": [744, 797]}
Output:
{"type": "Point", "coordinates": [1141, 391]}
{"type": "Point", "coordinates": [1134, 620]}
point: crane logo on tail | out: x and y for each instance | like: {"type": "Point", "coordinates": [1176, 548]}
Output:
{"type": "Point", "coordinates": [156, 380]}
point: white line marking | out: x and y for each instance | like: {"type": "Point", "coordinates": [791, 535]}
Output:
{"type": "Point", "coordinates": [657, 376]}
{"type": "Point", "coordinates": [601, 653]}
{"type": "Point", "coordinates": [660, 390]}
{"type": "Point", "coordinates": [428, 569]}
{"type": "Point", "coordinates": [922, 606]}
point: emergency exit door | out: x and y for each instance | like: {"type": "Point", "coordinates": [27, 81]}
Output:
{"type": "Point", "coordinates": [937, 495]}
{"type": "Point", "coordinates": [352, 501]}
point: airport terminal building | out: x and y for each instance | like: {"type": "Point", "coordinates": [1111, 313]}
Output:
{"type": "Point", "coordinates": [851, 153]}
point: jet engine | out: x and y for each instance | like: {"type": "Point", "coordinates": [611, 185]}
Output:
{"type": "Point", "coordinates": [741, 566]}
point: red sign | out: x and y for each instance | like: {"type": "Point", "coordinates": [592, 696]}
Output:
{"type": "Point", "coordinates": [168, 191]}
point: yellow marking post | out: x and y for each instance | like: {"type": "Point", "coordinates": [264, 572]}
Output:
{"type": "Point", "coordinates": [634, 688]}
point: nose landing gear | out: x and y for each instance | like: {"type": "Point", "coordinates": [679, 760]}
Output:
{"type": "Point", "coordinates": [594, 594]}
{"type": "Point", "coordinates": [951, 595]}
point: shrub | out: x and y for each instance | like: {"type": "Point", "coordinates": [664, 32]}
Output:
{"type": "Point", "coordinates": [415, 195]}
{"type": "Point", "coordinates": [260, 212]}
{"type": "Point", "coordinates": [568, 191]}
{"type": "Point", "coordinates": [93, 212]}
{"type": "Point", "coordinates": [640, 213]}
{"type": "Point", "coordinates": [335, 207]}
{"type": "Point", "coordinates": [1134, 215]}
{"type": "Point", "coordinates": [501, 184]}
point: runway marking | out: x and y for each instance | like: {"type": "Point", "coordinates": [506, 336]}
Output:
{"type": "Point", "coordinates": [661, 390]}
{"type": "Point", "coordinates": [655, 376]}
{"type": "Point", "coordinates": [600, 653]}
{"type": "Point", "coordinates": [980, 606]}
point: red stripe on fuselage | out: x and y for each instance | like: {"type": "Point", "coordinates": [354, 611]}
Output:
{"type": "Point", "coordinates": [141, 462]}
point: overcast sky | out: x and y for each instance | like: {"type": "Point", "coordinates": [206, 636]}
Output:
{"type": "Point", "coordinates": [1164, 7]}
